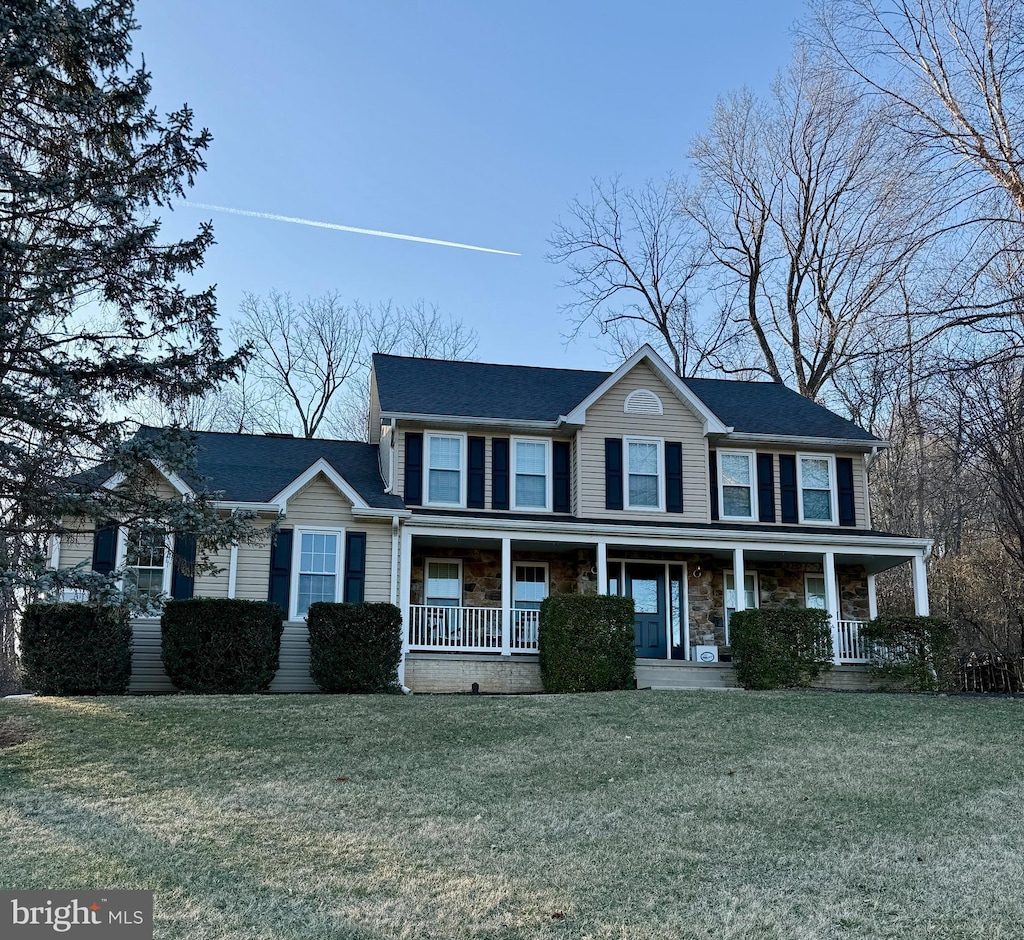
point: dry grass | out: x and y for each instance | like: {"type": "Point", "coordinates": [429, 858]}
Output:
{"type": "Point", "coordinates": [630, 815]}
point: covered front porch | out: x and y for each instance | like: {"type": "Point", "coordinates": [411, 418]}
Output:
{"type": "Point", "coordinates": [480, 593]}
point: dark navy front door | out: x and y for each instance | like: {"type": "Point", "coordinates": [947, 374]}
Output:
{"type": "Point", "coordinates": [646, 585]}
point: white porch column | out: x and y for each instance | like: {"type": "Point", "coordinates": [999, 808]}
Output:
{"type": "Point", "coordinates": [921, 606]}
{"type": "Point", "coordinates": [872, 598]}
{"type": "Point", "coordinates": [405, 597]}
{"type": "Point", "coordinates": [507, 617]}
{"type": "Point", "coordinates": [739, 577]}
{"type": "Point", "coordinates": [832, 602]}
{"type": "Point", "coordinates": [233, 571]}
{"type": "Point", "coordinates": [602, 567]}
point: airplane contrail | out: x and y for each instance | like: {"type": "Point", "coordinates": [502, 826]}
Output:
{"type": "Point", "coordinates": [349, 228]}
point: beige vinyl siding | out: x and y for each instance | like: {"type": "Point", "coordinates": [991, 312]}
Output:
{"type": "Point", "coordinates": [77, 548]}
{"type": "Point", "coordinates": [606, 418]}
{"type": "Point", "coordinates": [214, 585]}
{"type": "Point", "coordinates": [148, 674]}
{"type": "Point", "coordinates": [320, 504]}
{"type": "Point", "coordinates": [374, 412]}
{"type": "Point", "coordinates": [488, 434]}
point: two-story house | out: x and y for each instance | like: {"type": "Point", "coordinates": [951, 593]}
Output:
{"type": "Point", "coordinates": [484, 488]}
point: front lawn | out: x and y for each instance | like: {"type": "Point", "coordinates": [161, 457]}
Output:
{"type": "Point", "coordinates": [625, 815]}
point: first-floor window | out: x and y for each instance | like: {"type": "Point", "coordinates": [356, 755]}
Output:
{"type": "Point", "coordinates": [318, 569]}
{"type": "Point", "coordinates": [145, 558]}
{"type": "Point", "coordinates": [750, 595]}
{"type": "Point", "coordinates": [814, 592]}
{"type": "Point", "coordinates": [443, 586]}
{"type": "Point", "coordinates": [530, 587]}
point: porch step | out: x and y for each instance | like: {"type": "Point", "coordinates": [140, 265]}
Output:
{"type": "Point", "coordinates": [662, 674]}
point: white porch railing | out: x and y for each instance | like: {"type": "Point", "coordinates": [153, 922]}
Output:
{"type": "Point", "coordinates": [472, 629]}
{"type": "Point", "coordinates": [852, 648]}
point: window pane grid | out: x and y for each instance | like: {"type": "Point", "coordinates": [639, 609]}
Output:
{"type": "Point", "coordinates": [816, 489]}
{"type": "Point", "coordinates": [737, 486]}
{"type": "Point", "coordinates": [318, 566]}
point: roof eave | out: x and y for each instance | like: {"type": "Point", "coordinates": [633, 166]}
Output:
{"type": "Point", "coordinates": [800, 440]}
{"type": "Point", "coordinates": [470, 420]}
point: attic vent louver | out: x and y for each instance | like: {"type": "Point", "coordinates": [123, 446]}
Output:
{"type": "Point", "coordinates": [643, 401]}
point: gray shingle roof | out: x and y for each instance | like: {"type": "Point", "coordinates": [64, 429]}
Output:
{"type": "Point", "coordinates": [770, 408]}
{"type": "Point", "coordinates": [254, 468]}
{"type": "Point", "coordinates": [529, 393]}
{"type": "Point", "coordinates": [479, 389]}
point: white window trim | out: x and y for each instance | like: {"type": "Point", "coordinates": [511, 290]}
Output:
{"type": "Point", "coordinates": [122, 554]}
{"type": "Point", "coordinates": [725, 605]}
{"type": "Point", "coordinates": [832, 487]}
{"type": "Point", "coordinates": [626, 441]}
{"type": "Point", "coordinates": [443, 561]}
{"type": "Point", "coordinates": [752, 461]}
{"type": "Point", "coordinates": [339, 579]}
{"type": "Point", "coordinates": [548, 472]}
{"type": "Point", "coordinates": [463, 466]}
{"type": "Point", "coordinates": [532, 564]}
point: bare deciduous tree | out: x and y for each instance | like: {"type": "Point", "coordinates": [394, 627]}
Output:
{"type": "Point", "coordinates": [305, 350]}
{"type": "Point", "coordinates": [632, 258]}
{"type": "Point", "coordinates": [812, 216]}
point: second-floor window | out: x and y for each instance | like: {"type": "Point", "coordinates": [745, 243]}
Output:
{"type": "Point", "coordinates": [445, 477]}
{"type": "Point", "coordinates": [643, 468]}
{"type": "Point", "coordinates": [530, 465]}
{"type": "Point", "coordinates": [816, 489]}
{"type": "Point", "coordinates": [736, 479]}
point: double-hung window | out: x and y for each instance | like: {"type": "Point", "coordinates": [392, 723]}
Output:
{"type": "Point", "coordinates": [736, 484]}
{"type": "Point", "coordinates": [814, 592]}
{"type": "Point", "coordinates": [531, 460]}
{"type": "Point", "coordinates": [443, 582]}
{"type": "Point", "coordinates": [817, 489]}
{"type": "Point", "coordinates": [317, 569]}
{"type": "Point", "coordinates": [644, 489]}
{"type": "Point", "coordinates": [445, 484]}
{"type": "Point", "coordinates": [145, 560]}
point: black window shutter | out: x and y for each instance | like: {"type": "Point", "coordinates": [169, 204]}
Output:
{"type": "Point", "coordinates": [713, 482]}
{"type": "Point", "coordinates": [104, 547]}
{"type": "Point", "coordinates": [499, 473]}
{"type": "Point", "coordinates": [281, 569]}
{"type": "Point", "coordinates": [613, 473]}
{"type": "Point", "coordinates": [847, 506]}
{"type": "Point", "coordinates": [673, 476]}
{"type": "Point", "coordinates": [475, 482]}
{"type": "Point", "coordinates": [561, 460]}
{"type": "Point", "coordinates": [183, 576]}
{"type": "Point", "coordinates": [413, 469]}
{"type": "Point", "coordinates": [355, 567]}
{"type": "Point", "coordinates": [787, 487]}
{"type": "Point", "coordinates": [765, 487]}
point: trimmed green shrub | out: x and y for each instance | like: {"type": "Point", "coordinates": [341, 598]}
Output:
{"type": "Point", "coordinates": [914, 653]}
{"type": "Point", "coordinates": [586, 643]}
{"type": "Point", "coordinates": [354, 647]}
{"type": "Point", "coordinates": [76, 649]}
{"type": "Point", "coordinates": [212, 645]}
{"type": "Point", "coordinates": [775, 648]}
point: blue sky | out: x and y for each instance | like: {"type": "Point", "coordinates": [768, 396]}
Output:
{"type": "Point", "coordinates": [472, 122]}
